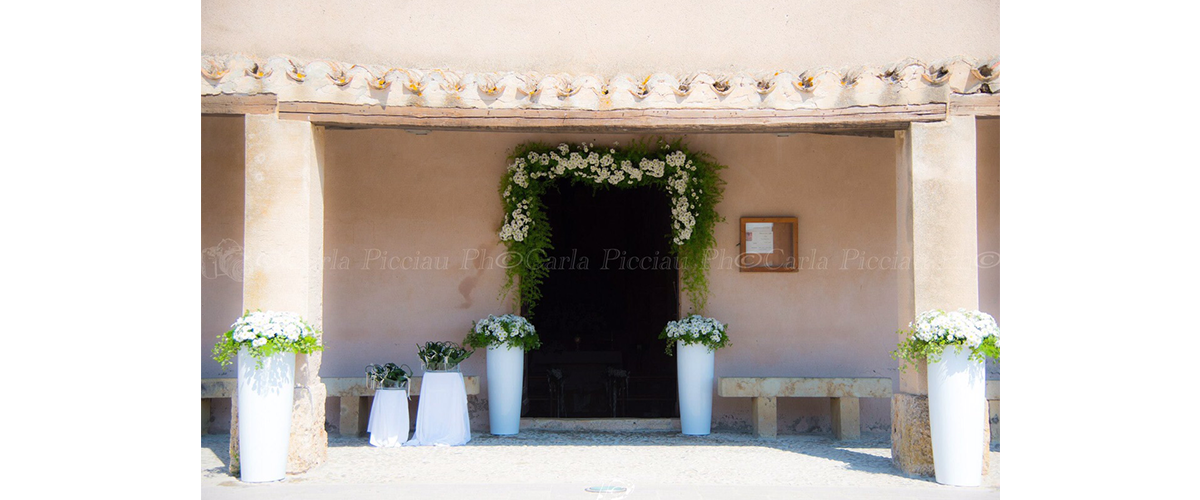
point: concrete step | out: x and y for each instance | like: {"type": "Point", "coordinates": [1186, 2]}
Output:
{"type": "Point", "coordinates": [601, 424]}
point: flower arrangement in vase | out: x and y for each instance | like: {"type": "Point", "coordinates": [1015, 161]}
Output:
{"type": "Point", "coordinates": [506, 339]}
{"type": "Point", "coordinates": [507, 330]}
{"type": "Point", "coordinates": [442, 355]}
{"type": "Point", "coordinates": [696, 340]}
{"type": "Point", "coordinates": [936, 330]}
{"type": "Point", "coordinates": [388, 376]}
{"type": "Point", "coordinates": [265, 333]}
{"type": "Point", "coordinates": [265, 343]}
{"type": "Point", "coordinates": [695, 330]}
{"type": "Point", "coordinates": [954, 345]}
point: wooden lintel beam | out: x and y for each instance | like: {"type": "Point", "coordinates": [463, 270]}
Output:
{"type": "Point", "coordinates": [238, 104]}
{"type": "Point", "coordinates": [979, 105]}
{"type": "Point", "coordinates": [888, 134]}
{"type": "Point", "coordinates": [616, 121]}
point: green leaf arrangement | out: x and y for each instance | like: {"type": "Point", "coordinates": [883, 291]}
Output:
{"type": "Point", "coordinates": [442, 355]}
{"type": "Point", "coordinates": [388, 375]}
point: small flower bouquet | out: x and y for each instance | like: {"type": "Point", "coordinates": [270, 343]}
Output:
{"type": "Point", "coordinates": [696, 329]}
{"type": "Point", "coordinates": [388, 376]}
{"type": "Point", "coordinates": [507, 330]}
{"type": "Point", "coordinates": [265, 333]}
{"type": "Point", "coordinates": [935, 330]}
{"type": "Point", "coordinates": [442, 355]}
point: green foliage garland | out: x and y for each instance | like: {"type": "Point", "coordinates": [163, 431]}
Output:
{"type": "Point", "coordinates": [690, 178]}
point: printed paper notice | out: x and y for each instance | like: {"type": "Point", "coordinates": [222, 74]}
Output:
{"type": "Point", "coordinates": [760, 237]}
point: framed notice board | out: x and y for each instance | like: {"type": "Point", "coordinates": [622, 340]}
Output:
{"type": "Point", "coordinates": [769, 244]}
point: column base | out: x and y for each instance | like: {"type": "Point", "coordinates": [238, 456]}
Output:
{"type": "Point", "coordinates": [912, 448]}
{"type": "Point", "coordinates": [308, 443]}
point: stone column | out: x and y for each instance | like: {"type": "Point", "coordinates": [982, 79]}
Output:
{"type": "Point", "coordinates": [936, 234]}
{"type": "Point", "coordinates": [283, 253]}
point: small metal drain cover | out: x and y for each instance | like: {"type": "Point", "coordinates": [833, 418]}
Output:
{"type": "Point", "coordinates": [605, 489]}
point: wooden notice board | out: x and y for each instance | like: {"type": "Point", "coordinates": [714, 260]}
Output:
{"type": "Point", "coordinates": [769, 244]}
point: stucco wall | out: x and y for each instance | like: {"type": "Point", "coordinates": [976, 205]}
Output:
{"type": "Point", "coordinates": [398, 202]}
{"type": "Point", "coordinates": [987, 178]}
{"type": "Point", "coordinates": [222, 201]}
{"type": "Point", "coordinates": [396, 195]}
{"type": "Point", "coordinates": [605, 37]}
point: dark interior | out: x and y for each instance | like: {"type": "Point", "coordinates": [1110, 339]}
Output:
{"type": "Point", "coordinates": [612, 288]}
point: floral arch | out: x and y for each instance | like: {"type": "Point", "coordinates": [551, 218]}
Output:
{"type": "Point", "coordinates": [690, 178]}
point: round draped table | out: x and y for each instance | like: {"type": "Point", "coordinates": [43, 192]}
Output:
{"type": "Point", "coordinates": [388, 420]}
{"type": "Point", "coordinates": [442, 411]}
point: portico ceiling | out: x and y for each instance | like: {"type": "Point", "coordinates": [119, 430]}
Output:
{"type": "Point", "coordinates": [334, 93]}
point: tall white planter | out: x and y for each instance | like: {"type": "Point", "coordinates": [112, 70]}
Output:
{"type": "Point", "coordinates": [264, 415]}
{"type": "Point", "coordinates": [956, 417]}
{"type": "Point", "coordinates": [505, 372]}
{"type": "Point", "coordinates": [695, 363]}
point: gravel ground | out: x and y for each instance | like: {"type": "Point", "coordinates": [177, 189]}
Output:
{"type": "Point", "coordinates": [611, 458]}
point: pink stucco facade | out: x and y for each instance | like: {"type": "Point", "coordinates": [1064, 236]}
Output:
{"type": "Point", "coordinates": [410, 231]}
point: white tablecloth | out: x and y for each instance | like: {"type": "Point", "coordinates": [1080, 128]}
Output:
{"type": "Point", "coordinates": [442, 411]}
{"type": "Point", "coordinates": [388, 420]}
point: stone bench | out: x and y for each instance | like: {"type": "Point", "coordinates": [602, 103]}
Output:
{"type": "Point", "coordinates": [351, 392]}
{"type": "Point", "coordinates": [213, 388]}
{"type": "Point", "coordinates": [843, 393]}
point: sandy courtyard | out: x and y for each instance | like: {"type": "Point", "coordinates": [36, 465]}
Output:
{"type": "Point", "coordinates": [541, 464]}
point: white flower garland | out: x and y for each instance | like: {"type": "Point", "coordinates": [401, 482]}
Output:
{"type": "Point", "coordinates": [601, 167]}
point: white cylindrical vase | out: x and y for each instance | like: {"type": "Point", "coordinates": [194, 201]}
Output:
{"type": "Point", "coordinates": [695, 363]}
{"type": "Point", "coordinates": [957, 417]}
{"type": "Point", "coordinates": [505, 373]}
{"type": "Point", "coordinates": [264, 415]}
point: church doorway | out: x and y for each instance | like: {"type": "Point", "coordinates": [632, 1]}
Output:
{"type": "Point", "coordinates": [611, 289]}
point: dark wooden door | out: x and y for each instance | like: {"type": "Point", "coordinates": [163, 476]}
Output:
{"type": "Point", "coordinates": [612, 288]}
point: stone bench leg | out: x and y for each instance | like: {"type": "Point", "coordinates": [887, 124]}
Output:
{"type": "Point", "coordinates": [994, 419]}
{"type": "Point", "coordinates": [205, 414]}
{"type": "Point", "coordinates": [845, 412]}
{"type": "Point", "coordinates": [350, 412]}
{"type": "Point", "coordinates": [763, 413]}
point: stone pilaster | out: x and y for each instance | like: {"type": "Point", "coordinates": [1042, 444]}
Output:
{"type": "Point", "coordinates": [936, 234]}
{"type": "Point", "coordinates": [283, 249]}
